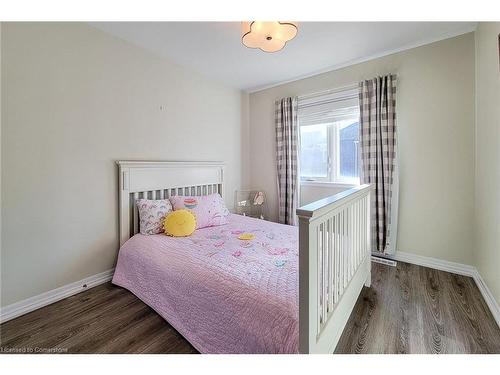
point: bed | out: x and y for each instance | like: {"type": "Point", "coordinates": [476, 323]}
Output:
{"type": "Point", "coordinates": [225, 295]}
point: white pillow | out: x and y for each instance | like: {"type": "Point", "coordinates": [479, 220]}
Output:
{"type": "Point", "coordinates": [151, 215]}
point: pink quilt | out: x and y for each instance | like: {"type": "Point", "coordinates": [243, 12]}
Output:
{"type": "Point", "coordinates": [223, 294]}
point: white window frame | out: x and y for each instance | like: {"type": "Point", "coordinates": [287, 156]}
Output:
{"type": "Point", "coordinates": [334, 105]}
{"type": "Point", "coordinates": [333, 161]}
{"type": "Point", "coordinates": [336, 178]}
{"type": "Point", "coordinates": [326, 179]}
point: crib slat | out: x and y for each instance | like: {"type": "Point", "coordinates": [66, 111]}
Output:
{"type": "Point", "coordinates": [367, 226]}
{"type": "Point", "coordinates": [360, 239]}
{"type": "Point", "coordinates": [360, 226]}
{"type": "Point", "coordinates": [337, 256]}
{"type": "Point", "coordinates": [349, 242]}
{"type": "Point", "coordinates": [348, 247]}
{"type": "Point", "coordinates": [318, 308]}
{"type": "Point", "coordinates": [351, 239]}
{"type": "Point", "coordinates": [325, 270]}
{"type": "Point", "coordinates": [361, 230]}
{"type": "Point", "coordinates": [330, 264]}
{"type": "Point", "coordinates": [334, 262]}
{"type": "Point", "coordinates": [341, 254]}
{"type": "Point", "coordinates": [344, 247]}
{"type": "Point", "coordinates": [363, 243]}
{"type": "Point", "coordinates": [355, 238]}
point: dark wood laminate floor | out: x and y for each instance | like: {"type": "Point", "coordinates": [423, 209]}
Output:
{"type": "Point", "coordinates": [409, 309]}
{"type": "Point", "coordinates": [417, 310]}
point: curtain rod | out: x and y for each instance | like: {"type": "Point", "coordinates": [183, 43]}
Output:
{"type": "Point", "coordinates": [330, 91]}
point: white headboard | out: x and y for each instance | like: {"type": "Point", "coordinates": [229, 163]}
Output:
{"type": "Point", "coordinates": [160, 180]}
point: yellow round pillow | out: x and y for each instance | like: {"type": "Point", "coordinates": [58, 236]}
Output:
{"type": "Point", "coordinates": [180, 223]}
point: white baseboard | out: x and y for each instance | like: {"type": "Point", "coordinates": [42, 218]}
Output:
{"type": "Point", "coordinates": [25, 306]}
{"type": "Point", "coordinates": [458, 268]}
{"type": "Point", "coordinates": [438, 264]}
{"type": "Point", "coordinates": [488, 296]}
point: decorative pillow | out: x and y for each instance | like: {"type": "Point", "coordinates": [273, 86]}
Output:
{"type": "Point", "coordinates": [151, 214]}
{"type": "Point", "coordinates": [180, 223]}
{"type": "Point", "coordinates": [209, 210]}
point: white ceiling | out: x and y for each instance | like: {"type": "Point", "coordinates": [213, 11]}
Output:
{"type": "Point", "coordinates": [214, 49]}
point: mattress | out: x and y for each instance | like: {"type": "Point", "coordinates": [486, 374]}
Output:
{"type": "Point", "coordinates": [223, 294]}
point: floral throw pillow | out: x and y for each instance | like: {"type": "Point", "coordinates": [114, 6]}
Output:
{"type": "Point", "coordinates": [151, 214]}
{"type": "Point", "coordinates": [209, 210]}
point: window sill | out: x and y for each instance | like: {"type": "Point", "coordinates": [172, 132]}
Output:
{"type": "Point", "coordinates": [327, 184]}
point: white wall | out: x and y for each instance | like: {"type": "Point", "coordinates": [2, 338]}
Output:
{"type": "Point", "coordinates": [74, 100]}
{"type": "Point", "coordinates": [487, 177]}
{"type": "Point", "coordinates": [311, 192]}
{"type": "Point", "coordinates": [435, 111]}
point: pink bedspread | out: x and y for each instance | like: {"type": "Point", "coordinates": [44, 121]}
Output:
{"type": "Point", "coordinates": [223, 294]}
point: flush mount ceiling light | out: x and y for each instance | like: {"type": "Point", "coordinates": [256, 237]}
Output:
{"type": "Point", "coordinates": [268, 36]}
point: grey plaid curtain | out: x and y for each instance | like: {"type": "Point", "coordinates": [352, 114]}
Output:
{"type": "Point", "coordinates": [377, 104]}
{"type": "Point", "coordinates": [287, 159]}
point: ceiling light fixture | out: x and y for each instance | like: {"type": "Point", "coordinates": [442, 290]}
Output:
{"type": "Point", "coordinates": [268, 36]}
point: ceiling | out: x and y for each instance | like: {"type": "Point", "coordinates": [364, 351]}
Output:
{"type": "Point", "coordinates": [214, 49]}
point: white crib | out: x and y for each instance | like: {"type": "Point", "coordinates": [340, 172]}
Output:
{"type": "Point", "coordinates": [334, 264]}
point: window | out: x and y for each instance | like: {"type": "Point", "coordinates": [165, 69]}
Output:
{"type": "Point", "coordinates": [329, 137]}
{"type": "Point", "coordinates": [314, 145]}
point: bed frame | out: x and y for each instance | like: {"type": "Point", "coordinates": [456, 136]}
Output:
{"type": "Point", "coordinates": [334, 240]}
{"type": "Point", "coordinates": [160, 180]}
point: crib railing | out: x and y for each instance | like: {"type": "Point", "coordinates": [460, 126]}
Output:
{"type": "Point", "coordinates": [334, 263]}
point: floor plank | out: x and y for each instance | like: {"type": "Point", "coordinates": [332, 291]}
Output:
{"type": "Point", "coordinates": [413, 309]}
{"type": "Point", "coordinates": [408, 309]}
